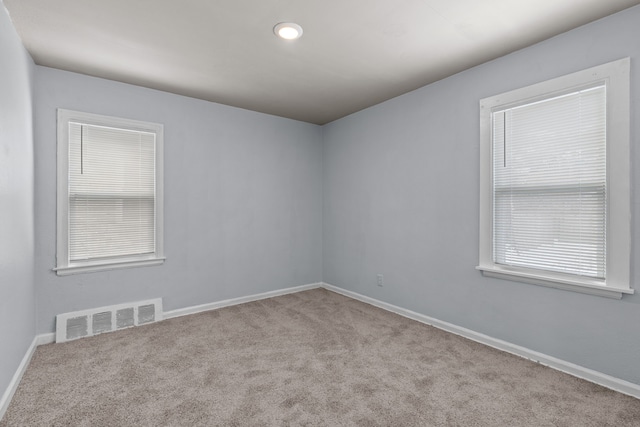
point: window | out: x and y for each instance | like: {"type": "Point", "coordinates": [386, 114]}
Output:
{"type": "Point", "coordinates": [109, 193]}
{"type": "Point", "coordinates": [554, 184]}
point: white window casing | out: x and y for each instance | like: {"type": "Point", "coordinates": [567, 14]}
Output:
{"type": "Point", "coordinates": [109, 193]}
{"type": "Point", "coordinates": [555, 182]}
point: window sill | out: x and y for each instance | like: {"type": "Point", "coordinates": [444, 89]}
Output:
{"type": "Point", "coordinates": [112, 265]}
{"type": "Point", "coordinates": [586, 286]}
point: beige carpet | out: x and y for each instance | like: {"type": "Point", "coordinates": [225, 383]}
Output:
{"type": "Point", "coordinates": [311, 358]}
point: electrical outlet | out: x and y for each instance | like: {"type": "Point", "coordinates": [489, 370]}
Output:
{"type": "Point", "coordinates": [380, 280]}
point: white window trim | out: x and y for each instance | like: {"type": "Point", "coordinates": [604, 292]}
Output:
{"type": "Point", "coordinates": [63, 266]}
{"type": "Point", "coordinates": [616, 76]}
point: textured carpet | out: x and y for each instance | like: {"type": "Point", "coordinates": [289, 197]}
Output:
{"type": "Point", "coordinates": [310, 358]}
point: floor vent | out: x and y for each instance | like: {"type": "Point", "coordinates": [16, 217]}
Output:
{"type": "Point", "coordinates": [85, 323]}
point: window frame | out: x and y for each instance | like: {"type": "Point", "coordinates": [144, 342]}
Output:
{"type": "Point", "coordinates": [615, 75]}
{"type": "Point", "coordinates": [63, 265]}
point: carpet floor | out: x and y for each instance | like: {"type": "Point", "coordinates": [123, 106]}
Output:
{"type": "Point", "coordinates": [312, 358]}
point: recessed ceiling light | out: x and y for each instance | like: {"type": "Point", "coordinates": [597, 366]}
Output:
{"type": "Point", "coordinates": [288, 30]}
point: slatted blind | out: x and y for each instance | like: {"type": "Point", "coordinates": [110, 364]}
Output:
{"type": "Point", "coordinates": [549, 184]}
{"type": "Point", "coordinates": [111, 192]}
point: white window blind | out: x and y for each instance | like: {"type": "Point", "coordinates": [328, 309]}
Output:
{"type": "Point", "coordinates": [550, 184]}
{"type": "Point", "coordinates": [112, 206]}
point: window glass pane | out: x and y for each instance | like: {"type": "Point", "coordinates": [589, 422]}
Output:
{"type": "Point", "coordinates": [111, 192]}
{"type": "Point", "coordinates": [549, 184]}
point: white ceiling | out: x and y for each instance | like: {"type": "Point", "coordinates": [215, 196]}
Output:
{"type": "Point", "coordinates": [353, 54]}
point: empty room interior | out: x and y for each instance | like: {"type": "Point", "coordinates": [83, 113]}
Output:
{"type": "Point", "coordinates": [319, 213]}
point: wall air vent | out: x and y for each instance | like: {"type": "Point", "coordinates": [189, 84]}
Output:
{"type": "Point", "coordinates": [85, 323]}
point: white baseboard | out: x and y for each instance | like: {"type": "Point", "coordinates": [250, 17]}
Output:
{"type": "Point", "coordinates": [43, 339]}
{"type": "Point", "coordinates": [235, 301]}
{"type": "Point", "coordinates": [596, 377]}
{"type": "Point", "coordinates": [15, 381]}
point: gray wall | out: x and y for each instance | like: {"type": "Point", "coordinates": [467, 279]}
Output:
{"type": "Point", "coordinates": [401, 199]}
{"type": "Point", "coordinates": [17, 296]}
{"type": "Point", "coordinates": [243, 200]}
